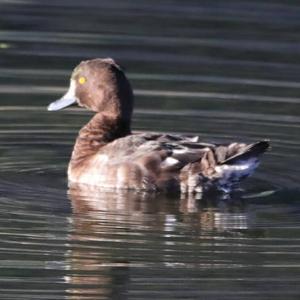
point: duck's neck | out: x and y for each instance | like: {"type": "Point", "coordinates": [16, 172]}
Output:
{"type": "Point", "coordinates": [99, 131]}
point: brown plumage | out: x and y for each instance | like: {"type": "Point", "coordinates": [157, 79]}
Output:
{"type": "Point", "coordinates": [108, 155]}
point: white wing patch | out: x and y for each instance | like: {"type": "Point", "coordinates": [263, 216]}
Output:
{"type": "Point", "coordinates": [169, 162]}
{"type": "Point", "coordinates": [181, 151]}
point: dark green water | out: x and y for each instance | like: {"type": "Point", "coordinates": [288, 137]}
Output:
{"type": "Point", "coordinates": [226, 70]}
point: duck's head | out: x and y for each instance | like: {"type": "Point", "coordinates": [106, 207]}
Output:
{"type": "Point", "coordinates": [99, 85]}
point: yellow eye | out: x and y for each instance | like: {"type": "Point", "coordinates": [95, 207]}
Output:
{"type": "Point", "coordinates": [82, 80]}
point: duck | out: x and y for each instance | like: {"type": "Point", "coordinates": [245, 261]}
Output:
{"type": "Point", "coordinates": [107, 154]}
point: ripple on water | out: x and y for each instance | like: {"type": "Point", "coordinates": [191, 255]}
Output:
{"type": "Point", "coordinates": [68, 245]}
{"type": "Point", "coordinates": [239, 81]}
{"type": "Point", "coordinates": [83, 243]}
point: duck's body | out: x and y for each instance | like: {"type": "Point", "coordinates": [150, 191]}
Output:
{"type": "Point", "coordinates": [108, 155]}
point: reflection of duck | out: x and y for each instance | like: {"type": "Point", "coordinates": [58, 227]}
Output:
{"type": "Point", "coordinates": [114, 235]}
{"type": "Point", "coordinates": [135, 207]}
{"type": "Point", "coordinates": [107, 154]}
{"type": "Point", "coordinates": [122, 241]}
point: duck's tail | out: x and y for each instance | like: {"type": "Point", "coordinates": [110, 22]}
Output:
{"type": "Point", "coordinates": [249, 152]}
{"type": "Point", "coordinates": [241, 164]}
{"type": "Point", "coordinates": [221, 167]}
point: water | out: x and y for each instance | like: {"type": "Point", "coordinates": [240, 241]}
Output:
{"type": "Point", "coordinates": [226, 70]}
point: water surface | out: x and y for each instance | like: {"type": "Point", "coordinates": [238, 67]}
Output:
{"type": "Point", "coordinates": [225, 71]}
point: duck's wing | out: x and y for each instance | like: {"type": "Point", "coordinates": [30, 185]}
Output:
{"type": "Point", "coordinates": [175, 151]}
{"type": "Point", "coordinates": [200, 164]}
{"type": "Point", "coordinates": [180, 150]}
{"type": "Point", "coordinates": [192, 161]}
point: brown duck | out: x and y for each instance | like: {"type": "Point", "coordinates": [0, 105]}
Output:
{"type": "Point", "coordinates": [107, 154]}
